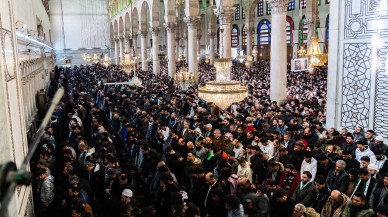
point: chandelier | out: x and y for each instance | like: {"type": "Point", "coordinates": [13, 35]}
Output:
{"type": "Point", "coordinates": [183, 78]}
{"type": "Point", "coordinates": [223, 91]}
{"type": "Point", "coordinates": [255, 51]}
{"type": "Point", "coordinates": [127, 63]}
{"type": "Point", "coordinates": [95, 59]}
{"type": "Point", "coordinates": [316, 57]}
{"type": "Point", "coordinates": [67, 62]}
{"type": "Point", "coordinates": [106, 61]}
{"type": "Point", "coordinates": [301, 51]}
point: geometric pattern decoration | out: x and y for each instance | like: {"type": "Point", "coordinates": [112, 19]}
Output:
{"type": "Point", "coordinates": [381, 95]}
{"type": "Point", "coordinates": [365, 18]}
{"type": "Point", "coordinates": [356, 84]}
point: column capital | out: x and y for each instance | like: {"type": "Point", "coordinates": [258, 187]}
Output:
{"type": "Point", "coordinates": [226, 15]}
{"type": "Point", "coordinates": [155, 30]}
{"type": "Point", "coordinates": [116, 38]}
{"type": "Point", "coordinates": [278, 6]}
{"type": "Point", "coordinates": [170, 27]}
{"type": "Point", "coordinates": [143, 33]}
{"type": "Point", "coordinates": [191, 21]}
{"type": "Point", "coordinates": [211, 34]}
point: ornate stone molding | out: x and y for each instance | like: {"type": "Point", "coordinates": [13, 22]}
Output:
{"type": "Point", "coordinates": [143, 33]}
{"type": "Point", "coordinates": [226, 15]}
{"type": "Point", "coordinates": [155, 30]}
{"type": "Point", "coordinates": [116, 38]}
{"type": "Point", "coordinates": [170, 27]}
{"type": "Point", "coordinates": [192, 21]}
{"type": "Point", "coordinates": [278, 6]}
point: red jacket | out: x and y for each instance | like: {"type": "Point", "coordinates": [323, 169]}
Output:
{"type": "Point", "coordinates": [293, 185]}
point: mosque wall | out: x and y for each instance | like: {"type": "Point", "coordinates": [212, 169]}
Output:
{"type": "Point", "coordinates": [85, 28]}
{"type": "Point", "coordinates": [358, 65]}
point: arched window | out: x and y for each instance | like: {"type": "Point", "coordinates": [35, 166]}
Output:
{"type": "Point", "coordinates": [237, 13]}
{"type": "Point", "coordinates": [244, 36]}
{"type": "Point", "coordinates": [260, 8]}
{"type": "Point", "coordinates": [327, 29]}
{"type": "Point", "coordinates": [303, 31]}
{"type": "Point", "coordinates": [264, 32]}
{"type": "Point", "coordinates": [235, 36]}
{"type": "Point", "coordinates": [291, 5]}
{"type": "Point", "coordinates": [289, 28]}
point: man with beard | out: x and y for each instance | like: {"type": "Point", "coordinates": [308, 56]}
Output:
{"type": "Point", "coordinates": [200, 150]}
{"type": "Point", "coordinates": [358, 206]}
{"type": "Point", "coordinates": [365, 183]}
{"type": "Point", "coordinates": [349, 145]}
{"type": "Point", "coordinates": [337, 178]}
{"type": "Point", "coordinates": [304, 192]}
{"type": "Point", "coordinates": [380, 194]}
{"type": "Point", "coordinates": [322, 193]}
{"type": "Point", "coordinates": [289, 179]}
{"type": "Point", "coordinates": [309, 164]}
{"type": "Point", "coordinates": [349, 160]}
{"type": "Point", "coordinates": [335, 204]}
{"type": "Point", "coordinates": [325, 165]}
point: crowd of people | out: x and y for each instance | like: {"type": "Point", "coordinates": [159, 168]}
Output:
{"type": "Point", "coordinates": [158, 150]}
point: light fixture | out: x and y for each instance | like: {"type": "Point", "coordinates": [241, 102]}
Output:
{"type": "Point", "coordinates": [127, 63]}
{"type": "Point", "coordinates": [106, 61]}
{"type": "Point", "coordinates": [255, 51]}
{"type": "Point", "coordinates": [223, 91]}
{"type": "Point", "coordinates": [183, 78]}
{"type": "Point", "coordinates": [67, 62]}
{"type": "Point", "coordinates": [302, 51]}
{"type": "Point", "coordinates": [316, 57]}
{"type": "Point", "coordinates": [95, 59]}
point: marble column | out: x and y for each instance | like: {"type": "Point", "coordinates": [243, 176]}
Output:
{"type": "Point", "coordinates": [134, 43]}
{"type": "Point", "coordinates": [199, 42]}
{"type": "Point", "coordinates": [143, 55]}
{"type": "Point", "coordinates": [185, 52]}
{"type": "Point", "coordinates": [177, 46]}
{"type": "Point", "coordinates": [278, 79]}
{"type": "Point", "coordinates": [225, 35]}
{"type": "Point", "coordinates": [249, 32]}
{"type": "Point", "coordinates": [155, 50]}
{"type": "Point", "coordinates": [212, 40]}
{"type": "Point", "coordinates": [127, 39]}
{"type": "Point", "coordinates": [192, 60]}
{"type": "Point", "coordinates": [171, 51]}
{"type": "Point", "coordinates": [117, 50]}
{"type": "Point", "coordinates": [122, 47]}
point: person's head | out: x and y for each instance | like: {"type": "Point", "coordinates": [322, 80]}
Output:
{"type": "Point", "coordinates": [306, 177]}
{"type": "Point", "coordinates": [319, 182]}
{"type": "Point", "coordinates": [369, 134]}
{"type": "Point", "coordinates": [336, 196]}
{"type": "Point", "coordinates": [298, 146]}
{"type": "Point", "coordinates": [242, 161]}
{"type": "Point", "coordinates": [346, 155]}
{"type": "Point", "coordinates": [78, 210]}
{"type": "Point", "coordinates": [385, 180]}
{"type": "Point", "coordinates": [210, 179]}
{"type": "Point", "coordinates": [353, 174]}
{"type": "Point", "coordinates": [232, 202]}
{"type": "Point", "coordinates": [299, 210]}
{"type": "Point", "coordinates": [289, 168]}
{"type": "Point", "coordinates": [270, 185]}
{"type": "Point", "coordinates": [361, 144]}
{"type": "Point", "coordinates": [379, 140]}
{"type": "Point", "coordinates": [382, 211]}
{"type": "Point", "coordinates": [307, 155]}
{"type": "Point", "coordinates": [349, 139]}
{"type": "Point", "coordinates": [340, 165]}
{"type": "Point", "coordinates": [365, 161]}
{"type": "Point", "coordinates": [126, 196]}
{"type": "Point", "coordinates": [358, 198]}
{"type": "Point", "coordinates": [363, 174]}
{"type": "Point", "coordinates": [379, 153]}
{"type": "Point", "coordinates": [280, 195]}
{"type": "Point", "coordinates": [191, 157]}
{"type": "Point", "coordinates": [43, 173]}
{"type": "Point", "coordinates": [372, 169]}
{"type": "Point", "coordinates": [287, 137]}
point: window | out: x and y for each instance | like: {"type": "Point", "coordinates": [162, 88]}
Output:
{"type": "Point", "coordinates": [235, 36]}
{"type": "Point", "coordinates": [302, 4]}
{"type": "Point", "coordinates": [303, 31]}
{"type": "Point", "coordinates": [243, 13]}
{"type": "Point", "coordinates": [291, 5]}
{"type": "Point", "coordinates": [260, 8]}
{"type": "Point", "coordinates": [237, 13]}
{"type": "Point", "coordinates": [319, 2]}
{"type": "Point", "coordinates": [264, 32]}
{"type": "Point", "coordinates": [268, 9]}
{"type": "Point", "coordinates": [327, 1]}
{"type": "Point", "coordinates": [289, 28]}
{"type": "Point", "coordinates": [244, 36]}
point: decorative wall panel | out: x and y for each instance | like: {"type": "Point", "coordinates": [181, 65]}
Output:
{"type": "Point", "coordinates": [381, 95]}
{"type": "Point", "coordinates": [356, 85]}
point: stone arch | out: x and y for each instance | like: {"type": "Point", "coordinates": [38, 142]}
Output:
{"type": "Point", "coordinates": [127, 24]}
{"type": "Point", "coordinates": [143, 16]}
{"type": "Point", "coordinates": [155, 11]}
{"type": "Point", "coordinates": [169, 8]}
{"type": "Point", "coordinates": [135, 19]}
{"type": "Point", "coordinates": [115, 29]}
{"type": "Point", "coordinates": [121, 26]}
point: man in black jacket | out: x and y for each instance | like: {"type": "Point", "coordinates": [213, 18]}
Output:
{"type": "Point", "coordinates": [337, 178]}
{"type": "Point", "coordinates": [380, 194]}
{"type": "Point", "coordinates": [304, 192]}
{"type": "Point", "coordinates": [281, 204]}
{"type": "Point", "coordinates": [322, 193]}
{"type": "Point", "coordinates": [349, 160]}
